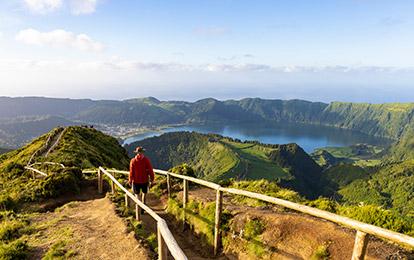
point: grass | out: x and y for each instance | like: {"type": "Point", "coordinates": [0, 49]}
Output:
{"type": "Point", "coordinates": [260, 167]}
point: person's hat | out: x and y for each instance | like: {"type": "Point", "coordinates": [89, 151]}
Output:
{"type": "Point", "coordinates": [139, 150]}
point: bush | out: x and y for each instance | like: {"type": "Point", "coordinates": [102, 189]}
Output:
{"type": "Point", "coordinates": [7, 203]}
{"type": "Point", "coordinates": [57, 184]}
{"type": "Point", "coordinates": [17, 250]}
{"type": "Point", "coordinates": [376, 216]}
{"type": "Point", "coordinates": [324, 204]}
{"type": "Point", "coordinates": [13, 170]}
{"type": "Point", "coordinates": [183, 169]}
{"type": "Point", "coordinates": [254, 228]}
{"type": "Point", "coordinates": [9, 230]}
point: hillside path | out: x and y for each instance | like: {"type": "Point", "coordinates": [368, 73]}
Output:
{"type": "Point", "coordinates": [53, 143]}
{"type": "Point", "coordinates": [186, 239]}
{"type": "Point", "coordinates": [91, 228]}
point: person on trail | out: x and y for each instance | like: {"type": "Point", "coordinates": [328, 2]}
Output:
{"type": "Point", "coordinates": [140, 169]}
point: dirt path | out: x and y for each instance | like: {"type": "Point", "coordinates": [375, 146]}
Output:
{"type": "Point", "coordinates": [53, 143]}
{"type": "Point", "coordinates": [89, 228]}
{"type": "Point", "coordinates": [187, 240]}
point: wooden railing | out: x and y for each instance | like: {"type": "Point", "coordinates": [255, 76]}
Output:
{"type": "Point", "coordinates": [363, 229]}
{"type": "Point", "coordinates": [166, 240]}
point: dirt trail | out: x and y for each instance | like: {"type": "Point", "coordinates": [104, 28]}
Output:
{"type": "Point", "coordinates": [53, 143]}
{"type": "Point", "coordinates": [294, 235]}
{"type": "Point", "coordinates": [186, 239]}
{"type": "Point", "coordinates": [90, 228]}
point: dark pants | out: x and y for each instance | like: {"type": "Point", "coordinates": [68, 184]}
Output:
{"type": "Point", "coordinates": [138, 187]}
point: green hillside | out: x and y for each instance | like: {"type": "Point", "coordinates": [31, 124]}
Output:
{"type": "Point", "coordinates": [385, 120]}
{"type": "Point", "coordinates": [78, 148]}
{"type": "Point", "coordinates": [401, 150]}
{"type": "Point", "coordinates": [23, 130]}
{"type": "Point", "coordinates": [215, 157]}
{"type": "Point", "coordinates": [389, 186]}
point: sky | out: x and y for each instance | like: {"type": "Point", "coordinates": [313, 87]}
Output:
{"type": "Point", "coordinates": [317, 50]}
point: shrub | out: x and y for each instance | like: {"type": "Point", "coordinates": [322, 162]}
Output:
{"type": "Point", "coordinates": [17, 250]}
{"type": "Point", "coordinates": [9, 230]}
{"type": "Point", "coordinates": [376, 216]}
{"type": "Point", "coordinates": [7, 203]}
{"type": "Point", "coordinates": [254, 228]}
{"type": "Point", "coordinates": [57, 184]}
{"type": "Point", "coordinates": [324, 204]}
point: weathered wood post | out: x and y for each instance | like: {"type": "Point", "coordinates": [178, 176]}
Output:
{"type": "Point", "coordinates": [360, 247]}
{"type": "Point", "coordinates": [219, 208]}
{"type": "Point", "coordinates": [100, 181]}
{"type": "Point", "coordinates": [169, 184]}
{"type": "Point", "coordinates": [137, 209]}
{"type": "Point", "coordinates": [185, 197]}
{"type": "Point", "coordinates": [126, 200]}
{"type": "Point", "coordinates": [162, 247]}
{"type": "Point", "coordinates": [33, 174]}
{"type": "Point", "coordinates": [113, 184]}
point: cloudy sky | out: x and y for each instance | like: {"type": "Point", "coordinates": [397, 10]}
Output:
{"type": "Point", "coordinates": [318, 50]}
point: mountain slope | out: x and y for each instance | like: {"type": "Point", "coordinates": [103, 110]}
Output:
{"type": "Point", "coordinates": [19, 133]}
{"type": "Point", "coordinates": [215, 157]}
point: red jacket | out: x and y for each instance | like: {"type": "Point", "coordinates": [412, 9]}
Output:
{"type": "Point", "coordinates": [139, 169]}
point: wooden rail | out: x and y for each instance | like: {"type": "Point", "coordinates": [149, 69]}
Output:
{"type": "Point", "coordinates": [35, 171]}
{"type": "Point", "coordinates": [165, 237]}
{"type": "Point", "coordinates": [363, 229]}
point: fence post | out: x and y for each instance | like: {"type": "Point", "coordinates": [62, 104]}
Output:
{"type": "Point", "coordinates": [169, 184]}
{"type": "Point", "coordinates": [100, 181]}
{"type": "Point", "coordinates": [162, 247]}
{"type": "Point", "coordinates": [33, 174]}
{"type": "Point", "coordinates": [113, 184]}
{"type": "Point", "coordinates": [137, 209]}
{"type": "Point", "coordinates": [360, 247]}
{"type": "Point", "coordinates": [219, 207]}
{"type": "Point", "coordinates": [185, 197]}
{"type": "Point", "coordinates": [126, 200]}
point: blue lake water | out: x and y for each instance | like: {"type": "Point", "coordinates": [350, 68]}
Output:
{"type": "Point", "coordinates": [308, 137]}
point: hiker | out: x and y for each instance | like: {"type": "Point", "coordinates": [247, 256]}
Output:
{"type": "Point", "coordinates": [139, 170]}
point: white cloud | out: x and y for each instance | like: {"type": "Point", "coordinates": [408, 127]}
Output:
{"type": "Point", "coordinates": [1, 36]}
{"type": "Point", "coordinates": [120, 79]}
{"type": "Point", "coordinates": [43, 6]}
{"type": "Point", "coordinates": [56, 38]}
{"type": "Point", "coordinates": [211, 31]}
{"type": "Point", "coordinates": [83, 6]}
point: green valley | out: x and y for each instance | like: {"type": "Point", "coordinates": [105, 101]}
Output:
{"type": "Point", "coordinates": [215, 157]}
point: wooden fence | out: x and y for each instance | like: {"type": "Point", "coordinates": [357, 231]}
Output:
{"type": "Point", "coordinates": [363, 229]}
{"type": "Point", "coordinates": [166, 240]}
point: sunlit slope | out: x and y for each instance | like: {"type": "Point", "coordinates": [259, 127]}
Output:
{"type": "Point", "coordinates": [215, 157]}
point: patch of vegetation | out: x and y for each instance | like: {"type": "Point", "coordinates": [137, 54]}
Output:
{"type": "Point", "coordinates": [14, 250]}
{"type": "Point", "coordinates": [200, 217]}
{"type": "Point", "coordinates": [359, 154]}
{"type": "Point", "coordinates": [324, 204]}
{"type": "Point", "coordinates": [376, 216]}
{"type": "Point", "coordinates": [58, 251]}
{"type": "Point", "coordinates": [262, 187]}
{"type": "Point", "coordinates": [321, 252]}
{"type": "Point", "coordinates": [66, 181]}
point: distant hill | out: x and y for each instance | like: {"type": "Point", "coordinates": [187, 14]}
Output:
{"type": "Point", "coordinates": [385, 120]}
{"type": "Point", "coordinates": [401, 150]}
{"type": "Point", "coordinates": [41, 106]}
{"type": "Point", "coordinates": [5, 150]}
{"type": "Point", "coordinates": [215, 157]}
{"type": "Point", "coordinates": [23, 131]}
